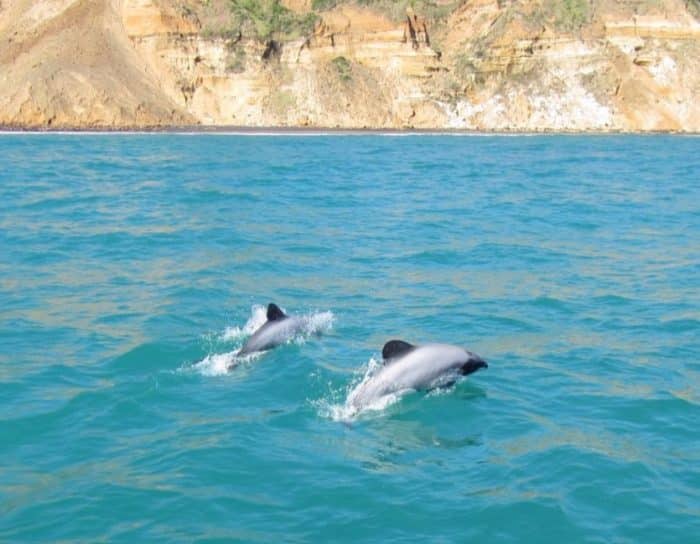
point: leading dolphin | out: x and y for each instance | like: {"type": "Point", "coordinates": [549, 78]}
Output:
{"type": "Point", "coordinates": [408, 367]}
{"type": "Point", "coordinates": [278, 329]}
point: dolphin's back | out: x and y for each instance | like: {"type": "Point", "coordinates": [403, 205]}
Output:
{"type": "Point", "coordinates": [271, 334]}
{"type": "Point", "coordinates": [422, 367]}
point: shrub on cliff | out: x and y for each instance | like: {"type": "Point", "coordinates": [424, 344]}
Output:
{"type": "Point", "coordinates": [268, 19]}
{"type": "Point", "coordinates": [343, 68]}
{"type": "Point", "coordinates": [432, 10]}
{"type": "Point", "coordinates": [568, 14]}
{"type": "Point", "coordinates": [320, 5]}
{"type": "Point", "coordinates": [693, 7]}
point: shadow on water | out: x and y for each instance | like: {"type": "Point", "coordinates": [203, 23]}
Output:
{"type": "Point", "coordinates": [391, 445]}
{"type": "Point", "coordinates": [419, 425]}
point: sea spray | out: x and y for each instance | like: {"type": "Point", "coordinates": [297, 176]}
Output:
{"type": "Point", "coordinates": [334, 407]}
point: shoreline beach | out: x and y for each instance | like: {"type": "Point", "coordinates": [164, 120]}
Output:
{"type": "Point", "coordinates": [323, 131]}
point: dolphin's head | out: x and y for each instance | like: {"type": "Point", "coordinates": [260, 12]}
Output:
{"type": "Point", "coordinates": [472, 364]}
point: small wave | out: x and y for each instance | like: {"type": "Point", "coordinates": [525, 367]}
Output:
{"type": "Point", "coordinates": [550, 303]}
{"type": "Point", "coordinates": [216, 364]}
{"type": "Point", "coordinates": [681, 325]}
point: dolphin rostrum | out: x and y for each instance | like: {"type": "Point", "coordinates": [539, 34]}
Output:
{"type": "Point", "coordinates": [407, 367]}
{"type": "Point", "coordinates": [278, 329]}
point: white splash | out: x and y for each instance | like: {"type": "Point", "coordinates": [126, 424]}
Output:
{"type": "Point", "coordinates": [258, 316]}
{"type": "Point", "coordinates": [347, 411]}
{"type": "Point", "coordinates": [664, 71]}
{"type": "Point", "coordinates": [315, 323]}
{"type": "Point", "coordinates": [217, 364]}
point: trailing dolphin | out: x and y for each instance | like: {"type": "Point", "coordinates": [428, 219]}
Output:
{"type": "Point", "coordinates": [266, 328]}
{"type": "Point", "coordinates": [407, 367]}
{"type": "Point", "coordinates": [278, 329]}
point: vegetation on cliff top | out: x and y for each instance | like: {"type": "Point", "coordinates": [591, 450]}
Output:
{"type": "Point", "coordinates": [569, 14]}
{"type": "Point", "coordinates": [268, 19]}
{"type": "Point", "coordinates": [396, 9]}
{"type": "Point", "coordinates": [271, 19]}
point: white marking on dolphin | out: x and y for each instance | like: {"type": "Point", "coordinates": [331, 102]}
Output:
{"type": "Point", "coordinates": [278, 329]}
{"type": "Point", "coordinates": [411, 368]}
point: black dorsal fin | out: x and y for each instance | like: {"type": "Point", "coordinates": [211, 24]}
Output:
{"type": "Point", "coordinates": [395, 348]}
{"type": "Point", "coordinates": [274, 313]}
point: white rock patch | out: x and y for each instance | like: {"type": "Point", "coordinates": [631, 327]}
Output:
{"type": "Point", "coordinates": [664, 71]}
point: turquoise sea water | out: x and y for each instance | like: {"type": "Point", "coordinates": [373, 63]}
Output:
{"type": "Point", "coordinates": [133, 266]}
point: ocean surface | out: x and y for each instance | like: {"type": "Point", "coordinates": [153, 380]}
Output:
{"type": "Point", "coordinates": [133, 267]}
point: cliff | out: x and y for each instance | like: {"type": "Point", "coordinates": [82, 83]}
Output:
{"type": "Point", "coordinates": [480, 64]}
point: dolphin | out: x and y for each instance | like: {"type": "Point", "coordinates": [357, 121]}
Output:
{"type": "Point", "coordinates": [278, 328]}
{"type": "Point", "coordinates": [408, 367]}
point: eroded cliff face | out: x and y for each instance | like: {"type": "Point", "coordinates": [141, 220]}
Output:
{"type": "Point", "coordinates": [357, 69]}
{"type": "Point", "coordinates": [489, 65]}
{"type": "Point", "coordinates": [70, 63]}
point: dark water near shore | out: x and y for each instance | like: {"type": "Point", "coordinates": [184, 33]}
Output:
{"type": "Point", "coordinates": [133, 267]}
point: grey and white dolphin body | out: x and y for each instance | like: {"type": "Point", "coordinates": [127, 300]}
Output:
{"type": "Point", "coordinates": [407, 367]}
{"type": "Point", "coordinates": [278, 329]}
